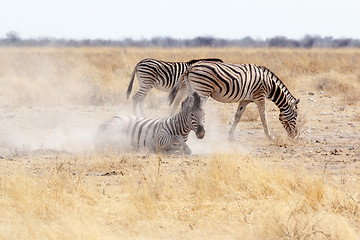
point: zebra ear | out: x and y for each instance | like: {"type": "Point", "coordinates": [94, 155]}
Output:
{"type": "Point", "coordinates": [295, 102]}
{"type": "Point", "coordinates": [182, 105]}
{"type": "Point", "coordinates": [191, 100]}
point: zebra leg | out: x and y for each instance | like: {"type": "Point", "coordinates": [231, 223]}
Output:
{"type": "Point", "coordinates": [177, 148]}
{"type": "Point", "coordinates": [239, 113]}
{"type": "Point", "coordinates": [175, 105]}
{"type": "Point", "coordinates": [263, 117]}
{"type": "Point", "coordinates": [171, 144]}
{"type": "Point", "coordinates": [141, 105]}
{"type": "Point", "coordinates": [135, 102]}
{"type": "Point", "coordinates": [139, 98]}
{"type": "Point", "coordinates": [179, 96]}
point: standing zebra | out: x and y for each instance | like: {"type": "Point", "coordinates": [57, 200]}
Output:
{"type": "Point", "coordinates": [160, 135]}
{"type": "Point", "coordinates": [244, 83]}
{"type": "Point", "coordinates": [160, 75]}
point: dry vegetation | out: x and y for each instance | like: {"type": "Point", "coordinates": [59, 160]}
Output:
{"type": "Point", "coordinates": [53, 185]}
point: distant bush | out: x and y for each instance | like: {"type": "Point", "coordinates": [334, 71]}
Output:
{"type": "Point", "coordinates": [283, 42]}
{"type": "Point", "coordinates": [13, 39]}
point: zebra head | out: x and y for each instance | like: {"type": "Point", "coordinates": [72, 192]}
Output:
{"type": "Point", "coordinates": [288, 117]}
{"type": "Point", "coordinates": [192, 106]}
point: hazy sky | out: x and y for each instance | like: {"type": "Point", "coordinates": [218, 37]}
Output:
{"type": "Point", "coordinates": [116, 19]}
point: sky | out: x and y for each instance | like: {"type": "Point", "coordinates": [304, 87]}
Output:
{"type": "Point", "coordinates": [141, 19]}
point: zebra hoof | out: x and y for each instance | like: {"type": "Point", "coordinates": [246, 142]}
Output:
{"type": "Point", "coordinates": [187, 151]}
{"type": "Point", "coordinates": [231, 138]}
{"type": "Point", "coordinates": [270, 137]}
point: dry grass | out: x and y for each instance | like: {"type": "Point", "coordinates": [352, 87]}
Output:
{"type": "Point", "coordinates": [225, 195]}
{"type": "Point", "coordinates": [307, 188]}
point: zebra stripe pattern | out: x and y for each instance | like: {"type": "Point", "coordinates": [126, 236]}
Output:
{"type": "Point", "coordinates": [152, 73]}
{"type": "Point", "coordinates": [229, 83]}
{"type": "Point", "coordinates": [160, 135]}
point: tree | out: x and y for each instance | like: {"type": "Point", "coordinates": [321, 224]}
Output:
{"type": "Point", "coordinates": [13, 37]}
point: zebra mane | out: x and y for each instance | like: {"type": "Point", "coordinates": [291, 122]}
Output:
{"type": "Point", "coordinates": [197, 99]}
{"type": "Point", "coordinates": [276, 81]}
{"type": "Point", "coordinates": [204, 59]}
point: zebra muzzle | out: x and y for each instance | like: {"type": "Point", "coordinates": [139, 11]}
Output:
{"type": "Point", "coordinates": [294, 133]}
{"type": "Point", "coordinates": [200, 133]}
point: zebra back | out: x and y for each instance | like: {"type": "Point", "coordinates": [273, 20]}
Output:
{"type": "Point", "coordinates": [123, 132]}
{"type": "Point", "coordinates": [163, 73]}
{"type": "Point", "coordinates": [191, 62]}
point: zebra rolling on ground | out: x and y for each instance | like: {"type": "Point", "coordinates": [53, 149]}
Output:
{"type": "Point", "coordinates": [152, 73]}
{"type": "Point", "coordinates": [160, 135]}
{"type": "Point", "coordinates": [230, 83]}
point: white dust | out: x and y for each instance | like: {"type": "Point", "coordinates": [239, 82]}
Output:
{"type": "Point", "coordinates": [48, 104]}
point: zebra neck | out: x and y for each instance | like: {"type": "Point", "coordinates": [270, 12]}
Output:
{"type": "Point", "coordinates": [278, 93]}
{"type": "Point", "coordinates": [181, 123]}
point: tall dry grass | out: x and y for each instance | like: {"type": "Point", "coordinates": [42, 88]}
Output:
{"type": "Point", "coordinates": [224, 196]}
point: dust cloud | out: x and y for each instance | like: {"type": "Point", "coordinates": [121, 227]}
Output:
{"type": "Point", "coordinates": [216, 137]}
{"type": "Point", "coordinates": [54, 101]}
{"type": "Point", "coordinates": [44, 105]}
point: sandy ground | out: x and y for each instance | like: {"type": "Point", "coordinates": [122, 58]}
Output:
{"type": "Point", "coordinates": [330, 132]}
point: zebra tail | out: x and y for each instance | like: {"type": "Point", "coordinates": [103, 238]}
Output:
{"type": "Point", "coordinates": [131, 83]}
